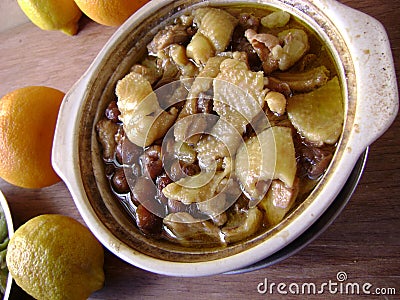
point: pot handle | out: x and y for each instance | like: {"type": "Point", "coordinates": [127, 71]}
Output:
{"type": "Point", "coordinates": [377, 92]}
{"type": "Point", "coordinates": [64, 152]}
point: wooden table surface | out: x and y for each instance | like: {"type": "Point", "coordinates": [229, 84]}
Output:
{"type": "Point", "coordinates": [363, 242]}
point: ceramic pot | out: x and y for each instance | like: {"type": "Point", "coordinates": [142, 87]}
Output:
{"type": "Point", "coordinates": [360, 47]}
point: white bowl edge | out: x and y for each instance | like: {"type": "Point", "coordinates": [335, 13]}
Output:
{"type": "Point", "coordinates": [10, 228]}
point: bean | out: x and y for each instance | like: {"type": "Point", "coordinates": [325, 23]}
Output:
{"type": "Point", "coordinates": [154, 152]}
{"type": "Point", "coordinates": [118, 151]}
{"type": "Point", "coordinates": [190, 169]}
{"type": "Point", "coordinates": [148, 222]}
{"type": "Point", "coordinates": [143, 190]}
{"type": "Point", "coordinates": [162, 181]}
{"type": "Point", "coordinates": [112, 112]}
{"type": "Point", "coordinates": [119, 182]}
{"type": "Point", "coordinates": [151, 162]}
{"type": "Point", "coordinates": [180, 170]}
{"type": "Point", "coordinates": [127, 152]}
{"type": "Point", "coordinates": [109, 170]}
{"type": "Point", "coordinates": [133, 199]}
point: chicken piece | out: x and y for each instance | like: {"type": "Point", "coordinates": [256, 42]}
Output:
{"type": "Point", "coordinates": [209, 150]}
{"type": "Point", "coordinates": [295, 45]}
{"type": "Point", "coordinates": [148, 69]}
{"type": "Point", "coordinates": [172, 34]}
{"type": "Point", "coordinates": [276, 85]}
{"type": "Point", "coordinates": [263, 43]}
{"type": "Point", "coordinates": [273, 55]}
{"type": "Point", "coordinates": [240, 42]}
{"type": "Point", "coordinates": [213, 207]}
{"type": "Point", "coordinates": [198, 188]}
{"type": "Point", "coordinates": [238, 93]}
{"type": "Point", "coordinates": [203, 81]}
{"type": "Point", "coordinates": [178, 56]}
{"type": "Point", "coordinates": [278, 201]}
{"type": "Point", "coordinates": [276, 102]}
{"type": "Point", "coordinates": [193, 232]}
{"type": "Point", "coordinates": [200, 49]}
{"type": "Point", "coordinates": [305, 81]}
{"type": "Point", "coordinates": [143, 119]}
{"type": "Point", "coordinates": [276, 19]}
{"type": "Point", "coordinates": [215, 24]}
{"type": "Point", "coordinates": [238, 98]}
{"type": "Point", "coordinates": [267, 156]}
{"type": "Point", "coordinates": [227, 193]}
{"type": "Point", "coordinates": [168, 68]}
{"type": "Point", "coordinates": [242, 225]}
{"type": "Point", "coordinates": [239, 89]}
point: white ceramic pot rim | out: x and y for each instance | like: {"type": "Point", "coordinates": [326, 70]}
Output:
{"type": "Point", "coordinates": [376, 109]}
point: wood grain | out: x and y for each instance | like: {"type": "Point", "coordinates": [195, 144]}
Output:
{"type": "Point", "coordinates": [364, 241]}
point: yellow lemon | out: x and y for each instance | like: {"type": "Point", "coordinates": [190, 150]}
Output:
{"type": "Point", "coordinates": [28, 119]}
{"type": "Point", "coordinates": [110, 12]}
{"type": "Point", "coordinates": [60, 15]}
{"type": "Point", "coordinates": [56, 257]}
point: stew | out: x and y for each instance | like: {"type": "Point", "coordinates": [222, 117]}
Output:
{"type": "Point", "coordinates": [223, 127]}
